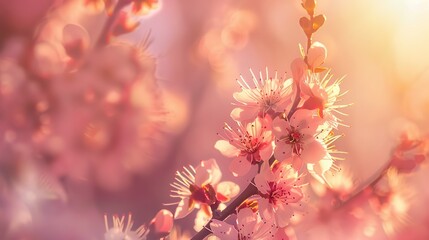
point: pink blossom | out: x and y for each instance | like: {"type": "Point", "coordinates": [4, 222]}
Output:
{"type": "Point", "coordinates": [248, 145]}
{"type": "Point", "coordinates": [200, 188]}
{"type": "Point", "coordinates": [280, 192]}
{"type": "Point", "coordinates": [250, 226]}
{"type": "Point", "coordinates": [298, 138]}
{"type": "Point", "coordinates": [319, 94]}
{"type": "Point", "coordinates": [267, 96]}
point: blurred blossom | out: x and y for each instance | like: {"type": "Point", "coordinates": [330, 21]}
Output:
{"type": "Point", "coordinates": [392, 201]}
{"type": "Point", "coordinates": [115, 96]}
{"type": "Point", "coordinates": [341, 185]}
{"type": "Point", "coordinates": [223, 38]}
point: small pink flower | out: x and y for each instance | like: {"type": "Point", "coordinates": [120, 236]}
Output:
{"type": "Point", "coordinates": [319, 94]}
{"type": "Point", "coordinates": [200, 188]}
{"type": "Point", "coordinates": [268, 96]}
{"type": "Point", "coordinates": [248, 146]}
{"type": "Point", "coordinates": [298, 138]}
{"type": "Point", "coordinates": [249, 226]}
{"type": "Point", "coordinates": [279, 191]}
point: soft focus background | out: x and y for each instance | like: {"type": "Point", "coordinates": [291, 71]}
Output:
{"type": "Point", "coordinates": [199, 49]}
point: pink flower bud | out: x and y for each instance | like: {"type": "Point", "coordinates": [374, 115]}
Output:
{"type": "Point", "coordinates": [298, 67]}
{"type": "Point", "coordinates": [316, 55]}
{"type": "Point", "coordinates": [163, 222]}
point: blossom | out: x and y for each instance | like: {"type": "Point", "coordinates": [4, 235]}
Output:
{"type": "Point", "coordinates": [120, 230]}
{"type": "Point", "coordinates": [297, 137]}
{"type": "Point", "coordinates": [280, 192]}
{"type": "Point", "coordinates": [319, 94]}
{"type": "Point", "coordinates": [409, 153]}
{"type": "Point", "coordinates": [250, 226]}
{"type": "Point", "coordinates": [247, 145]}
{"type": "Point", "coordinates": [200, 188]}
{"type": "Point", "coordinates": [268, 96]}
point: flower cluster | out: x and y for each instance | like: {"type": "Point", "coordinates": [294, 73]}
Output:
{"type": "Point", "coordinates": [81, 113]}
{"type": "Point", "coordinates": [284, 128]}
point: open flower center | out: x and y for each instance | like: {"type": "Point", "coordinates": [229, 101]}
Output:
{"type": "Point", "coordinates": [205, 194]}
{"type": "Point", "coordinates": [278, 194]}
{"type": "Point", "coordinates": [295, 139]}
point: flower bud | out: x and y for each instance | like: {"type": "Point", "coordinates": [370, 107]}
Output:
{"type": "Point", "coordinates": [316, 55]}
{"type": "Point", "coordinates": [162, 223]}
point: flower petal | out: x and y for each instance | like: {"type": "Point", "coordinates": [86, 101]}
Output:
{"type": "Point", "coordinates": [282, 151]}
{"type": "Point", "coordinates": [240, 166]}
{"type": "Point", "coordinates": [223, 230]}
{"type": "Point", "coordinates": [280, 127]}
{"type": "Point", "coordinates": [313, 152]}
{"type": "Point", "coordinates": [266, 152]}
{"type": "Point", "coordinates": [245, 113]}
{"type": "Point", "coordinates": [265, 209]}
{"type": "Point", "coordinates": [283, 215]}
{"type": "Point", "coordinates": [246, 221]}
{"type": "Point", "coordinates": [228, 189]}
{"type": "Point", "coordinates": [183, 209]}
{"type": "Point", "coordinates": [226, 148]}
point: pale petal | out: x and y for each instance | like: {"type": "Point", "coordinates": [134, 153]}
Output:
{"type": "Point", "coordinates": [223, 230]}
{"type": "Point", "coordinates": [282, 151]}
{"type": "Point", "coordinates": [255, 127]}
{"type": "Point", "coordinates": [246, 96]}
{"type": "Point", "coordinates": [201, 219]}
{"type": "Point", "coordinates": [245, 113]}
{"type": "Point", "coordinates": [283, 215]}
{"type": "Point", "coordinates": [183, 209]}
{"type": "Point", "coordinates": [302, 118]}
{"type": "Point", "coordinates": [202, 176]}
{"type": "Point", "coordinates": [313, 152]}
{"type": "Point", "coordinates": [262, 183]}
{"type": "Point", "coordinates": [295, 161]}
{"type": "Point", "coordinates": [240, 166]}
{"type": "Point", "coordinates": [246, 221]}
{"type": "Point", "coordinates": [228, 189]}
{"type": "Point", "coordinates": [280, 127]}
{"type": "Point", "coordinates": [227, 149]}
{"type": "Point", "coordinates": [213, 169]}
{"type": "Point", "coordinates": [265, 209]}
{"type": "Point", "coordinates": [266, 152]}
